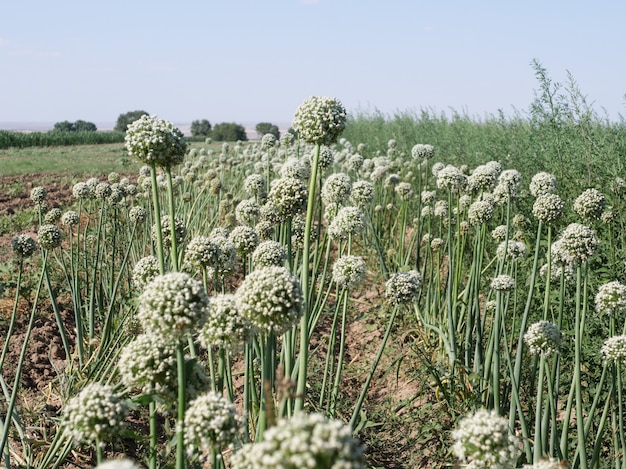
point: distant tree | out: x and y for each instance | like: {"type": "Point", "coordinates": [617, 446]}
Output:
{"type": "Point", "coordinates": [127, 118]}
{"type": "Point", "coordinates": [64, 126]}
{"type": "Point", "coordinates": [201, 128]}
{"type": "Point", "coordinates": [84, 126]}
{"type": "Point", "coordinates": [228, 132]}
{"type": "Point", "coordinates": [263, 128]}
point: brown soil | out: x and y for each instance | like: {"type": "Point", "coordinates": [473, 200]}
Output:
{"type": "Point", "coordinates": [59, 193]}
{"type": "Point", "coordinates": [11, 202]}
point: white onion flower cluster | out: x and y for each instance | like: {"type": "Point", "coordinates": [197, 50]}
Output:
{"type": "Point", "coordinates": [490, 306]}
{"type": "Point", "coordinates": [247, 212]}
{"type": "Point", "coordinates": [499, 233]}
{"type": "Point", "coordinates": [95, 414]}
{"type": "Point", "coordinates": [320, 120]}
{"type": "Point", "coordinates": [271, 299]}
{"type": "Point", "coordinates": [118, 192]}
{"type": "Point", "coordinates": [113, 177]}
{"type": "Point", "coordinates": [49, 236]}
{"type": "Point", "coordinates": [225, 326]}
{"type": "Point", "coordinates": [287, 139]}
{"type": "Point", "coordinates": [436, 244]}
{"type": "Point", "coordinates": [548, 207]}
{"type": "Point", "coordinates": [451, 178]}
{"type": "Point", "coordinates": [269, 253]}
{"type": "Point", "coordinates": [428, 197]}
{"type": "Point", "coordinates": [144, 271]}
{"type": "Point", "coordinates": [503, 282]}
{"type": "Point", "coordinates": [480, 212]}
{"type": "Point", "coordinates": [102, 191]}
{"type": "Point", "coordinates": [543, 337]}
{"type": "Point", "coordinates": [155, 141]}
{"type": "Point", "coordinates": [483, 178]}
{"type": "Point", "coordinates": [611, 298]}
{"type": "Point", "coordinates": [378, 173]}
{"type": "Point", "coordinates": [53, 215]}
{"type": "Point", "coordinates": [562, 263]}
{"type": "Point", "coordinates": [148, 364]}
{"type": "Point", "coordinates": [227, 259]}
{"type": "Point", "coordinates": [23, 246]}
{"type": "Point", "coordinates": [545, 464]}
{"type": "Point", "coordinates": [590, 204]}
{"type": "Point", "coordinates": [578, 243]}
{"type": "Point", "coordinates": [38, 194]}
{"type": "Point", "coordinates": [403, 287]}
{"type": "Point", "coordinates": [254, 185]}
{"type": "Point", "coordinates": [608, 217]}
{"type": "Point", "coordinates": [336, 189]}
{"type": "Point", "coordinates": [441, 209]}
{"type": "Point", "coordinates": [92, 183]}
{"type": "Point", "coordinates": [295, 168]}
{"type": "Point", "coordinates": [422, 150]}
{"type": "Point", "coordinates": [166, 231]}
{"type": "Point", "coordinates": [173, 305]}
{"type": "Point", "coordinates": [325, 159]}
{"type": "Point", "coordinates": [362, 193]}
{"type": "Point", "coordinates": [354, 162]}
{"type": "Point", "coordinates": [70, 218]}
{"type": "Point", "coordinates": [211, 423]}
{"type": "Point", "coordinates": [81, 190]}
{"type": "Point", "coordinates": [556, 270]}
{"type": "Point", "coordinates": [304, 441]}
{"type": "Point", "coordinates": [349, 271]}
{"type": "Point", "coordinates": [483, 439]}
{"type": "Point", "coordinates": [118, 464]}
{"type": "Point", "coordinates": [542, 183]}
{"type": "Point", "coordinates": [202, 252]}
{"type": "Point", "coordinates": [349, 221]}
{"type": "Point", "coordinates": [510, 180]}
{"type": "Point", "coordinates": [137, 214]}
{"type": "Point", "coordinates": [270, 214]}
{"type": "Point", "coordinates": [268, 141]}
{"type": "Point", "coordinates": [404, 191]}
{"type": "Point", "coordinates": [513, 250]}
{"type": "Point", "coordinates": [618, 185]}
{"type": "Point", "coordinates": [245, 239]}
{"type": "Point", "coordinates": [288, 196]}
{"type": "Point", "coordinates": [614, 350]}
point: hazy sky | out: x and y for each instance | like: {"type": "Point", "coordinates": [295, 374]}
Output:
{"type": "Point", "coordinates": [257, 60]}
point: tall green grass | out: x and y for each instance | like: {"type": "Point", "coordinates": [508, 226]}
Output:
{"type": "Point", "coordinates": [9, 139]}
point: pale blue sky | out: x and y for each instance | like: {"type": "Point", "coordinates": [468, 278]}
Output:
{"type": "Point", "coordinates": [255, 60]}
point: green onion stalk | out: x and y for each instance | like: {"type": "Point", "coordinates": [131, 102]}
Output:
{"type": "Point", "coordinates": [304, 280]}
{"type": "Point", "coordinates": [18, 372]}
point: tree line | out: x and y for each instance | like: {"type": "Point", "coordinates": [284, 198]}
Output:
{"type": "Point", "coordinates": [223, 131]}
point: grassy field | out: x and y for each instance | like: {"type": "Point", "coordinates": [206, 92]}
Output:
{"type": "Point", "coordinates": [76, 160]}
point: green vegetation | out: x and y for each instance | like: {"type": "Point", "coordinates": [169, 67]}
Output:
{"type": "Point", "coordinates": [78, 126]}
{"type": "Point", "coordinates": [200, 128]}
{"type": "Point", "coordinates": [263, 128]}
{"type": "Point", "coordinates": [9, 139]}
{"type": "Point", "coordinates": [229, 132]}
{"type": "Point", "coordinates": [127, 118]}
{"type": "Point", "coordinates": [73, 160]}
